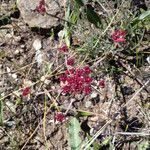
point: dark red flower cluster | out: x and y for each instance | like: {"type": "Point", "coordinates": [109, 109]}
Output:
{"type": "Point", "coordinates": [102, 83]}
{"type": "Point", "coordinates": [59, 117]}
{"type": "Point", "coordinates": [119, 35]}
{"type": "Point", "coordinates": [77, 80]}
{"type": "Point", "coordinates": [64, 48]}
{"type": "Point", "coordinates": [41, 7]}
{"type": "Point", "coordinates": [26, 91]}
{"type": "Point", "coordinates": [70, 61]}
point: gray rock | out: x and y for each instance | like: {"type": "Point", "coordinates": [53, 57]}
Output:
{"type": "Point", "coordinates": [34, 19]}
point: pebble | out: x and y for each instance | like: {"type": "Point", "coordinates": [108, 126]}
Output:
{"type": "Point", "coordinates": [37, 45]}
{"type": "Point", "coordinates": [17, 38]}
{"type": "Point", "coordinates": [94, 119]}
{"type": "Point", "coordinates": [61, 34]}
{"type": "Point", "coordinates": [14, 76]}
{"type": "Point", "coordinates": [94, 95]}
{"type": "Point", "coordinates": [88, 104]}
{"type": "Point", "coordinates": [16, 51]}
{"type": "Point", "coordinates": [10, 123]}
{"type": "Point", "coordinates": [22, 46]}
{"type": "Point", "coordinates": [148, 59]}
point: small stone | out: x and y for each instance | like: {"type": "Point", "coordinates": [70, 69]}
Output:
{"type": "Point", "coordinates": [10, 123]}
{"type": "Point", "coordinates": [37, 44]}
{"type": "Point", "coordinates": [88, 104]}
{"type": "Point", "coordinates": [22, 46]}
{"type": "Point", "coordinates": [148, 59]}
{"type": "Point", "coordinates": [14, 76]}
{"type": "Point", "coordinates": [8, 69]}
{"type": "Point", "coordinates": [61, 34]}
{"type": "Point", "coordinates": [17, 38]}
{"type": "Point", "coordinates": [16, 51]}
{"type": "Point", "coordinates": [94, 119]}
{"type": "Point", "coordinates": [92, 131]}
{"type": "Point", "coordinates": [43, 78]}
{"type": "Point", "coordinates": [39, 57]}
{"type": "Point", "coordinates": [94, 95]}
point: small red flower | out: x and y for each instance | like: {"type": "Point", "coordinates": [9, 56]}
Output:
{"type": "Point", "coordinates": [59, 117]}
{"type": "Point", "coordinates": [70, 61]}
{"type": "Point", "coordinates": [119, 35]}
{"type": "Point", "coordinates": [63, 49]}
{"type": "Point", "coordinates": [88, 79]}
{"type": "Point", "coordinates": [87, 69]}
{"type": "Point", "coordinates": [26, 91]}
{"type": "Point", "coordinates": [41, 7]}
{"type": "Point", "coordinates": [80, 72]}
{"type": "Point", "coordinates": [102, 83]}
{"type": "Point", "coordinates": [42, 10]}
{"type": "Point", "coordinates": [42, 2]}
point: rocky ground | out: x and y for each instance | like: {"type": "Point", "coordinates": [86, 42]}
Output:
{"type": "Point", "coordinates": [30, 90]}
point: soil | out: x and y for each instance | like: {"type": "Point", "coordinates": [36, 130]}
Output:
{"type": "Point", "coordinates": [29, 120]}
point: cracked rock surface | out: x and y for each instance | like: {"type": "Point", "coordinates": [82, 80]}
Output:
{"type": "Point", "coordinates": [54, 10]}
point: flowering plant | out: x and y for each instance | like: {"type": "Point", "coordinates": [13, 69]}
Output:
{"type": "Point", "coordinates": [70, 61]}
{"type": "Point", "coordinates": [63, 49]}
{"type": "Point", "coordinates": [60, 117]}
{"type": "Point", "coordinates": [77, 80]}
{"type": "Point", "coordinates": [119, 35]}
{"type": "Point", "coordinates": [26, 91]}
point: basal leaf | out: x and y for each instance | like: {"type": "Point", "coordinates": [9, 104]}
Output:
{"type": "Point", "coordinates": [74, 138]}
{"type": "Point", "coordinates": [144, 15]}
{"type": "Point", "coordinates": [92, 16]}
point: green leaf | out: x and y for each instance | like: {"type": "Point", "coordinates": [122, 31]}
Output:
{"type": "Point", "coordinates": [74, 16]}
{"type": "Point", "coordinates": [5, 20]}
{"type": "Point", "coordinates": [2, 54]}
{"type": "Point", "coordinates": [18, 101]}
{"type": "Point", "coordinates": [92, 16]}
{"type": "Point", "coordinates": [135, 22]}
{"type": "Point", "coordinates": [84, 113]}
{"type": "Point", "coordinates": [143, 145]}
{"type": "Point", "coordinates": [144, 15]}
{"type": "Point", "coordinates": [1, 112]}
{"type": "Point", "coordinates": [74, 138]}
{"type": "Point", "coordinates": [80, 2]}
{"type": "Point", "coordinates": [106, 140]}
